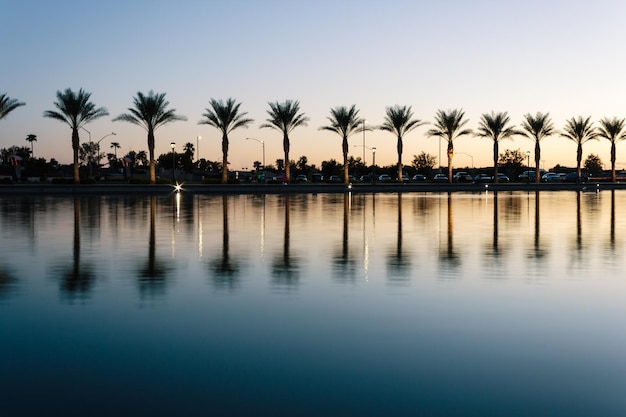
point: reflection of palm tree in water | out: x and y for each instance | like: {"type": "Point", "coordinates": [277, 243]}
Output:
{"type": "Point", "coordinates": [612, 232]}
{"type": "Point", "coordinates": [449, 255]}
{"type": "Point", "coordinates": [77, 280]}
{"type": "Point", "coordinates": [152, 274]}
{"type": "Point", "coordinates": [225, 269]}
{"type": "Point", "coordinates": [538, 251]}
{"type": "Point", "coordinates": [285, 268]}
{"type": "Point", "coordinates": [344, 264]}
{"type": "Point", "coordinates": [397, 261]}
{"type": "Point", "coordinates": [7, 282]}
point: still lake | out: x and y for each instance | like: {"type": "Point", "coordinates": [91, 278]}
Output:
{"type": "Point", "coordinates": [433, 304]}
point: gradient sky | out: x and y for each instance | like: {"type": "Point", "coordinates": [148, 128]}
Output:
{"type": "Point", "coordinates": [562, 57]}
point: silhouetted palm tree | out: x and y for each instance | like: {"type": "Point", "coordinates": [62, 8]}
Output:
{"type": "Point", "coordinates": [284, 117]}
{"type": "Point", "coordinates": [225, 117]}
{"type": "Point", "coordinates": [399, 121]}
{"type": "Point", "coordinates": [150, 112]}
{"type": "Point", "coordinates": [494, 126]}
{"type": "Point", "coordinates": [448, 125]}
{"type": "Point", "coordinates": [8, 104]}
{"type": "Point", "coordinates": [115, 146]}
{"type": "Point", "coordinates": [537, 128]}
{"type": "Point", "coordinates": [613, 131]}
{"type": "Point", "coordinates": [579, 131]}
{"type": "Point", "coordinates": [76, 110]}
{"type": "Point", "coordinates": [32, 138]}
{"type": "Point", "coordinates": [189, 149]}
{"type": "Point", "coordinates": [345, 122]}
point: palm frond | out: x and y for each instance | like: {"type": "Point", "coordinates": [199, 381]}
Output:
{"type": "Point", "coordinates": [7, 105]}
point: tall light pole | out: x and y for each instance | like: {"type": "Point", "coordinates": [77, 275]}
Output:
{"type": "Point", "coordinates": [463, 153]}
{"type": "Point", "coordinates": [439, 154]}
{"type": "Point", "coordinates": [90, 149]}
{"type": "Point", "coordinates": [198, 148]}
{"type": "Point", "coordinates": [98, 144]}
{"type": "Point", "coordinates": [528, 176]}
{"type": "Point", "coordinates": [263, 144]}
{"type": "Point", "coordinates": [173, 145]}
{"type": "Point", "coordinates": [373, 165]}
{"type": "Point", "coordinates": [364, 147]}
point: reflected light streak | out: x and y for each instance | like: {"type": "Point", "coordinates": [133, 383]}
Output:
{"type": "Point", "coordinates": [200, 231]}
{"type": "Point", "coordinates": [175, 221]}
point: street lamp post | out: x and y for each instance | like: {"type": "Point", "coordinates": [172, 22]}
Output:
{"type": "Point", "coordinates": [173, 145]}
{"type": "Point", "coordinates": [373, 155]}
{"type": "Point", "coordinates": [198, 148]}
{"type": "Point", "coordinates": [373, 165]}
{"type": "Point", "coordinates": [364, 147]}
{"type": "Point", "coordinates": [528, 164]}
{"type": "Point", "coordinates": [97, 147]}
{"type": "Point", "coordinates": [263, 144]}
{"type": "Point", "coordinates": [90, 148]}
{"type": "Point", "coordinates": [463, 153]}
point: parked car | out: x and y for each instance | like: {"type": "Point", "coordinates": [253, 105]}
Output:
{"type": "Point", "coordinates": [530, 175]}
{"type": "Point", "coordinates": [462, 177]}
{"type": "Point", "coordinates": [366, 178]}
{"type": "Point", "coordinates": [301, 178]}
{"type": "Point", "coordinates": [334, 178]}
{"type": "Point", "coordinates": [551, 177]}
{"type": "Point", "coordinates": [573, 177]}
{"type": "Point", "coordinates": [418, 178]}
{"type": "Point", "coordinates": [384, 178]}
{"type": "Point", "coordinates": [440, 178]}
{"type": "Point", "coordinates": [502, 177]}
{"type": "Point", "coordinates": [405, 178]}
{"type": "Point", "coordinates": [481, 178]}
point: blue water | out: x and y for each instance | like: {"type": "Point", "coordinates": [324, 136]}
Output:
{"type": "Point", "coordinates": [307, 305]}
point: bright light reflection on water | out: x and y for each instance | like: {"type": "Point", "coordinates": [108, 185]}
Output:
{"type": "Point", "coordinates": [414, 304]}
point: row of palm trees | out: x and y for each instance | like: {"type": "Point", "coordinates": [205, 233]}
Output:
{"type": "Point", "coordinates": [151, 111]}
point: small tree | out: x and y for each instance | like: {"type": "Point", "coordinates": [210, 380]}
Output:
{"type": "Point", "coordinates": [424, 162]}
{"type": "Point", "coordinates": [593, 164]}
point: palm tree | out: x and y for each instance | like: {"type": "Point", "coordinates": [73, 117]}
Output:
{"type": "Point", "coordinates": [32, 138]}
{"type": "Point", "coordinates": [399, 121]}
{"type": "Point", "coordinates": [150, 112]}
{"type": "Point", "coordinates": [613, 130]}
{"type": "Point", "coordinates": [344, 122]}
{"type": "Point", "coordinates": [225, 117]}
{"type": "Point", "coordinates": [579, 131]}
{"type": "Point", "coordinates": [189, 149]}
{"type": "Point", "coordinates": [115, 146]}
{"type": "Point", "coordinates": [76, 110]}
{"type": "Point", "coordinates": [537, 128]}
{"type": "Point", "coordinates": [448, 125]}
{"type": "Point", "coordinates": [494, 126]}
{"type": "Point", "coordinates": [8, 104]}
{"type": "Point", "coordinates": [284, 117]}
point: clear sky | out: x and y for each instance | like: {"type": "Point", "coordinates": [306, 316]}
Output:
{"type": "Point", "coordinates": [562, 57]}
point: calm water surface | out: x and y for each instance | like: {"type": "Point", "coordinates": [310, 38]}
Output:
{"type": "Point", "coordinates": [314, 305]}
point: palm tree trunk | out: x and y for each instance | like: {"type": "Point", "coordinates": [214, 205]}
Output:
{"type": "Point", "coordinates": [450, 156]}
{"type": "Point", "coordinates": [613, 177]}
{"type": "Point", "coordinates": [75, 146]}
{"type": "Point", "coordinates": [537, 160]}
{"type": "Point", "coordinates": [151, 155]}
{"type": "Point", "coordinates": [579, 158]}
{"type": "Point", "coordinates": [224, 158]}
{"type": "Point", "coordinates": [495, 161]}
{"type": "Point", "coordinates": [399, 158]}
{"type": "Point", "coordinates": [344, 148]}
{"type": "Point", "coordinates": [287, 164]}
